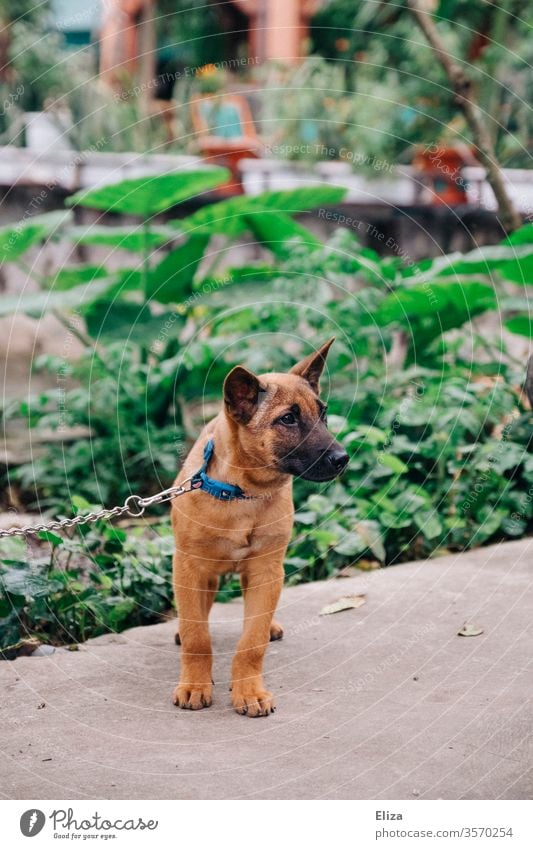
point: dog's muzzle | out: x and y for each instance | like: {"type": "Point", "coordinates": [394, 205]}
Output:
{"type": "Point", "coordinates": [327, 465]}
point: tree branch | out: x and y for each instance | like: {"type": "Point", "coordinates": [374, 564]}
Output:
{"type": "Point", "coordinates": [462, 87]}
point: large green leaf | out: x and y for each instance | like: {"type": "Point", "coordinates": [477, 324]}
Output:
{"type": "Point", "coordinates": [229, 216]}
{"type": "Point", "coordinates": [38, 303]}
{"type": "Point", "coordinates": [123, 238]}
{"type": "Point", "coordinates": [23, 582]}
{"type": "Point", "coordinates": [487, 260]}
{"type": "Point", "coordinates": [428, 310]}
{"type": "Point", "coordinates": [450, 301]}
{"type": "Point", "coordinates": [522, 236]}
{"type": "Point", "coordinates": [125, 321]}
{"type": "Point", "coordinates": [146, 196]}
{"type": "Point", "coordinates": [277, 231]}
{"type": "Point", "coordinates": [15, 241]}
{"type": "Point", "coordinates": [171, 280]}
{"type": "Point", "coordinates": [518, 270]}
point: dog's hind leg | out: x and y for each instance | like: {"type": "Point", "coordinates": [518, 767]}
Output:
{"type": "Point", "coordinates": [276, 628]}
{"type": "Point", "coordinates": [276, 631]}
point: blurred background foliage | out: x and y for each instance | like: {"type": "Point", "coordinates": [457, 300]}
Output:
{"type": "Point", "coordinates": [370, 84]}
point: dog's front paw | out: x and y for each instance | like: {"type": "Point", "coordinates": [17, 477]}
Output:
{"type": "Point", "coordinates": [193, 697]}
{"type": "Point", "coordinates": [252, 700]}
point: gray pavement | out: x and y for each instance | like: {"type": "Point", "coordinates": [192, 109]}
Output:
{"type": "Point", "coordinates": [383, 702]}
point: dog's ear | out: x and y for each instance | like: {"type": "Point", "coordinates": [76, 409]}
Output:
{"type": "Point", "coordinates": [312, 367]}
{"type": "Point", "coordinates": [241, 394]}
{"type": "Point", "coordinates": [529, 380]}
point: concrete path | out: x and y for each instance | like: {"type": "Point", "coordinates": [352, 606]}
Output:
{"type": "Point", "coordinates": [381, 702]}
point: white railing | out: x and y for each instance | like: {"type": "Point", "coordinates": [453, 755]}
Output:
{"type": "Point", "coordinates": [399, 185]}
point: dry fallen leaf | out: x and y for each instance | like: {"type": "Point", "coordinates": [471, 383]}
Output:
{"type": "Point", "coordinates": [367, 565]}
{"type": "Point", "coordinates": [347, 572]}
{"type": "Point", "coordinates": [469, 630]}
{"type": "Point", "coordinates": [347, 602]}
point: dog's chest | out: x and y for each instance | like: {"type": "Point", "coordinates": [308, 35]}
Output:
{"type": "Point", "coordinates": [236, 542]}
{"type": "Point", "coordinates": [224, 535]}
{"type": "Point", "coordinates": [236, 545]}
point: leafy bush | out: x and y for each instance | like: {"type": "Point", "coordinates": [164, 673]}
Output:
{"type": "Point", "coordinates": [427, 405]}
{"type": "Point", "coordinates": [441, 445]}
{"type": "Point", "coordinates": [102, 579]}
{"type": "Point", "coordinates": [136, 373]}
{"type": "Point", "coordinates": [131, 414]}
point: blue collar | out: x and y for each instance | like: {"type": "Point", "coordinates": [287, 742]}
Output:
{"type": "Point", "coordinates": [218, 489]}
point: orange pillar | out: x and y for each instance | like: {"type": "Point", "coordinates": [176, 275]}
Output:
{"type": "Point", "coordinates": [283, 31]}
{"type": "Point", "coordinates": [278, 28]}
{"type": "Point", "coordinates": [127, 42]}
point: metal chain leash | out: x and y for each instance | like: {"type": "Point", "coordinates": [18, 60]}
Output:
{"type": "Point", "coordinates": [133, 506]}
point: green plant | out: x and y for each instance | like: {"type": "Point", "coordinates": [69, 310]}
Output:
{"type": "Point", "coordinates": [440, 445]}
{"type": "Point", "coordinates": [102, 578]}
{"type": "Point", "coordinates": [129, 418]}
{"type": "Point", "coordinates": [309, 115]}
{"type": "Point", "coordinates": [379, 51]}
{"type": "Point", "coordinates": [126, 301]}
{"type": "Point", "coordinates": [135, 375]}
{"type": "Point", "coordinates": [440, 441]}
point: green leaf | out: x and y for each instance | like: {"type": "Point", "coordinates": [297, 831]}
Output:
{"type": "Point", "coordinates": [277, 232]}
{"type": "Point", "coordinates": [481, 261]}
{"type": "Point", "coordinates": [428, 522]}
{"type": "Point", "coordinates": [319, 503]}
{"type": "Point", "coordinates": [522, 325]}
{"type": "Point", "coordinates": [39, 303]}
{"type": "Point", "coordinates": [351, 544]}
{"type": "Point", "coordinates": [81, 504]}
{"type": "Point", "coordinates": [126, 321]}
{"type": "Point", "coordinates": [518, 270]}
{"type": "Point", "coordinates": [23, 582]}
{"type": "Point", "coordinates": [429, 310]}
{"type": "Point", "coordinates": [235, 276]}
{"type": "Point", "coordinates": [305, 517]}
{"type": "Point", "coordinates": [50, 537]}
{"type": "Point", "coordinates": [522, 236]}
{"type": "Point", "coordinates": [369, 532]}
{"type": "Point", "coordinates": [123, 238]}
{"type": "Point", "coordinates": [14, 241]}
{"type": "Point", "coordinates": [171, 280]}
{"type": "Point", "coordinates": [454, 302]}
{"type": "Point", "coordinates": [13, 548]}
{"type": "Point", "coordinates": [393, 463]}
{"type": "Point", "coordinates": [229, 216]}
{"type": "Point", "coordinates": [491, 522]}
{"type": "Point", "coordinates": [149, 195]}
{"type": "Point", "coordinates": [67, 278]}
{"type": "Point", "coordinates": [366, 434]}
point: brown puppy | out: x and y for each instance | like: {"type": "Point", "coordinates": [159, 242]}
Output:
{"type": "Point", "coordinates": [273, 426]}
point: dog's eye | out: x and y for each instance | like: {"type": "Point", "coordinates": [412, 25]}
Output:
{"type": "Point", "coordinates": [288, 419]}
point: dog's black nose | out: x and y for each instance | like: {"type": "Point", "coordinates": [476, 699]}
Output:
{"type": "Point", "coordinates": [338, 459]}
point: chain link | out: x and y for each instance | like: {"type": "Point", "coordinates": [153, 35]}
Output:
{"type": "Point", "coordinates": [133, 506]}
